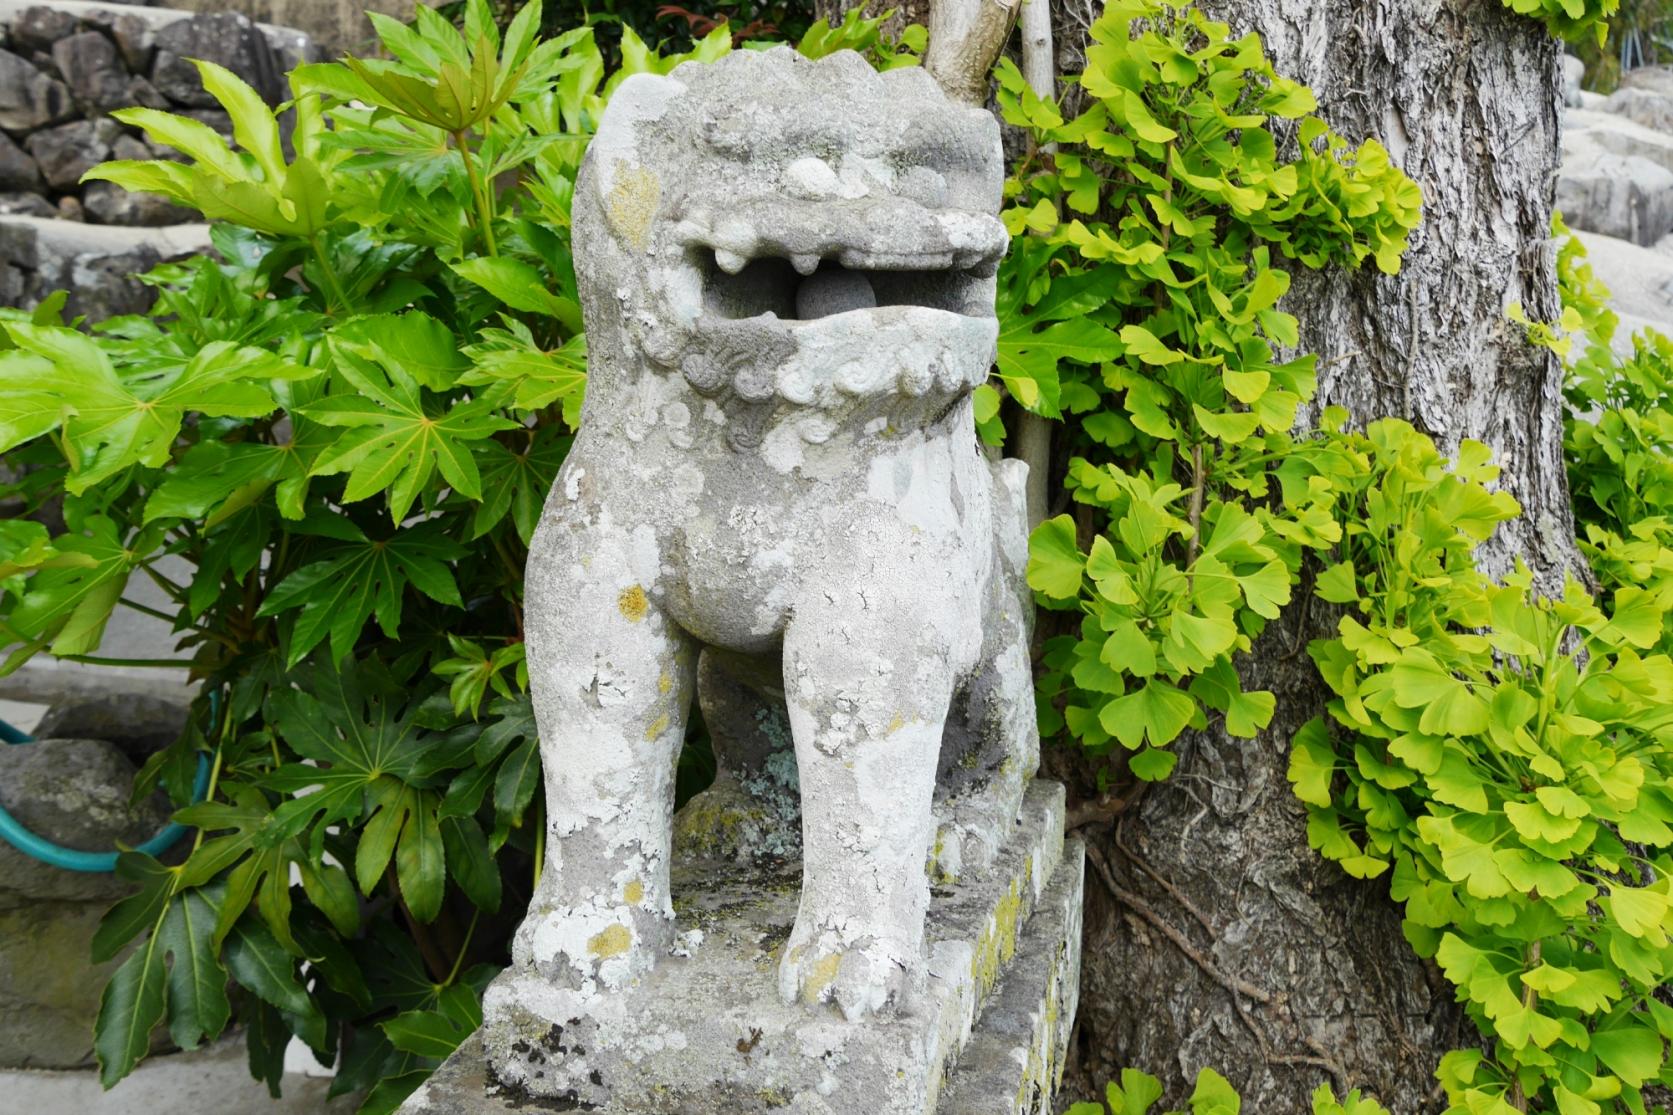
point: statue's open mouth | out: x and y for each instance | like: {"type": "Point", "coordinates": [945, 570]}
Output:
{"type": "Point", "coordinates": [799, 262]}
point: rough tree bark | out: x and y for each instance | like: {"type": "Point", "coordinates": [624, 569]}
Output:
{"type": "Point", "coordinates": [1217, 936]}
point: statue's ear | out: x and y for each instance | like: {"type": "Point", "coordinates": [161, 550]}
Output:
{"type": "Point", "coordinates": [623, 156]}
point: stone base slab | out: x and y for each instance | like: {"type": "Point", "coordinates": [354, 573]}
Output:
{"type": "Point", "coordinates": [706, 1034]}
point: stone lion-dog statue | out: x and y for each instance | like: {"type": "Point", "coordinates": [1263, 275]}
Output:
{"type": "Point", "coordinates": [787, 275]}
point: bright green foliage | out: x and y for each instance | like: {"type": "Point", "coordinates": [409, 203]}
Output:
{"type": "Point", "coordinates": [1574, 20]}
{"type": "Point", "coordinates": [1507, 760]}
{"type": "Point", "coordinates": [1138, 1092]}
{"type": "Point", "coordinates": [1155, 329]}
{"type": "Point", "coordinates": [346, 421]}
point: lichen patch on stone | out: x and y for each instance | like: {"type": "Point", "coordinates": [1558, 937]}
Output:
{"type": "Point", "coordinates": [631, 205]}
{"type": "Point", "coordinates": [610, 942]}
{"type": "Point", "coordinates": [634, 604]}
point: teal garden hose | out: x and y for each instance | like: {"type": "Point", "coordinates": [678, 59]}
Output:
{"type": "Point", "coordinates": [71, 859]}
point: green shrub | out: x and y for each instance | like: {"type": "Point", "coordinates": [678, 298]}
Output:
{"type": "Point", "coordinates": [347, 422]}
{"type": "Point", "coordinates": [1147, 321]}
{"type": "Point", "coordinates": [1213, 1095]}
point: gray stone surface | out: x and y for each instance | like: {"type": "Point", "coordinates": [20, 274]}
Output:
{"type": "Point", "coordinates": [223, 37]}
{"type": "Point", "coordinates": [704, 1033]}
{"type": "Point", "coordinates": [30, 99]}
{"type": "Point", "coordinates": [1642, 106]}
{"type": "Point", "coordinates": [137, 724]}
{"type": "Point", "coordinates": [1574, 72]}
{"type": "Point", "coordinates": [778, 507]}
{"type": "Point", "coordinates": [91, 67]}
{"type": "Point", "coordinates": [213, 1080]}
{"type": "Point", "coordinates": [66, 152]}
{"type": "Point", "coordinates": [74, 793]}
{"type": "Point", "coordinates": [40, 26]}
{"type": "Point", "coordinates": [18, 170]}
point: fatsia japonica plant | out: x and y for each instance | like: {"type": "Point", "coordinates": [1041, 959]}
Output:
{"type": "Point", "coordinates": [345, 420]}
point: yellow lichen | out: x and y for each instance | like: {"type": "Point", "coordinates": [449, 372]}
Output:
{"type": "Point", "coordinates": [634, 893]}
{"type": "Point", "coordinates": [823, 975]}
{"type": "Point", "coordinates": [631, 205]}
{"type": "Point", "coordinates": [664, 683]}
{"type": "Point", "coordinates": [658, 726]}
{"type": "Point", "coordinates": [633, 603]}
{"type": "Point", "coordinates": [610, 942]}
{"type": "Point", "coordinates": [896, 724]}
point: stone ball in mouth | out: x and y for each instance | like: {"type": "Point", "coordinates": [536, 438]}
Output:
{"type": "Point", "coordinates": [833, 289]}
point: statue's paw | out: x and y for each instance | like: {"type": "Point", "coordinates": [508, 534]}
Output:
{"type": "Point", "coordinates": [860, 977]}
{"type": "Point", "coordinates": [593, 945]}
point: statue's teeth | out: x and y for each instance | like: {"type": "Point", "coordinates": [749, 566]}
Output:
{"type": "Point", "coordinates": [730, 262]}
{"type": "Point", "coordinates": [804, 264]}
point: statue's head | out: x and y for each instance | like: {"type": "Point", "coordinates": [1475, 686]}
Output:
{"type": "Point", "coordinates": [777, 229]}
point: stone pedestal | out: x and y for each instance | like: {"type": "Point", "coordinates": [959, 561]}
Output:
{"type": "Point", "coordinates": [707, 1034]}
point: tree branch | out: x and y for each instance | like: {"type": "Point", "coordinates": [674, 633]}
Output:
{"type": "Point", "coordinates": [965, 38]}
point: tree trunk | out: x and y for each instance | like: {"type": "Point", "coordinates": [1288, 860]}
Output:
{"type": "Point", "coordinates": [1219, 938]}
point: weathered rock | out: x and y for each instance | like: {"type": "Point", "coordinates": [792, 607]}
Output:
{"type": "Point", "coordinates": [90, 66]}
{"type": "Point", "coordinates": [1642, 106]}
{"type": "Point", "coordinates": [41, 27]}
{"type": "Point", "coordinates": [30, 99]}
{"type": "Point", "coordinates": [98, 265]}
{"type": "Point", "coordinates": [1626, 196]}
{"type": "Point", "coordinates": [74, 793]}
{"type": "Point", "coordinates": [1574, 72]}
{"type": "Point", "coordinates": [68, 151]}
{"type": "Point", "coordinates": [136, 40]}
{"type": "Point", "coordinates": [25, 204]}
{"type": "Point", "coordinates": [141, 92]}
{"type": "Point", "coordinates": [110, 204]}
{"type": "Point", "coordinates": [1586, 133]}
{"type": "Point", "coordinates": [129, 148]}
{"type": "Point", "coordinates": [1656, 79]}
{"type": "Point", "coordinates": [226, 38]}
{"type": "Point", "coordinates": [1640, 282]}
{"type": "Point", "coordinates": [137, 724]}
{"type": "Point", "coordinates": [795, 328]}
{"type": "Point", "coordinates": [17, 170]}
{"type": "Point", "coordinates": [71, 209]}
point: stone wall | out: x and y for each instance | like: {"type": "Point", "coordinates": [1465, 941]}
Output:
{"type": "Point", "coordinates": [63, 68]}
{"type": "Point", "coordinates": [338, 27]}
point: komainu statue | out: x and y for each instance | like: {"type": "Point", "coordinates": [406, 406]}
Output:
{"type": "Point", "coordinates": [776, 505]}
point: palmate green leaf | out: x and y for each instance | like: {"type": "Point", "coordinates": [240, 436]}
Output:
{"type": "Point", "coordinates": [538, 377]}
{"type": "Point", "coordinates": [425, 1033]}
{"type": "Point", "coordinates": [417, 343]}
{"type": "Point", "coordinates": [259, 849]}
{"type": "Point", "coordinates": [214, 480]}
{"type": "Point", "coordinates": [361, 578]}
{"type": "Point", "coordinates": [110, 420]}
{"type": "Point", "coordinates": [257, 190]}
{"type": "Point", "coordinates": [395, 441]}
{"type": "Point", "coordinates": [517, 482]}
{"type": "Point", "coordinates": [68, 603]}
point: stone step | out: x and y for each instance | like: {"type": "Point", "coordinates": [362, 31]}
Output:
{"type": "Point", "coordinates": [1013, 1063]}
{"type": "Point", "coordinates": [707, 1034]}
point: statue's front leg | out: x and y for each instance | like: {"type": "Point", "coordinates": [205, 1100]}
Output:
{"type": "Point", "coordinates": [612, 678]}
{"type": "Point", "coordinates": [867, 699]}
